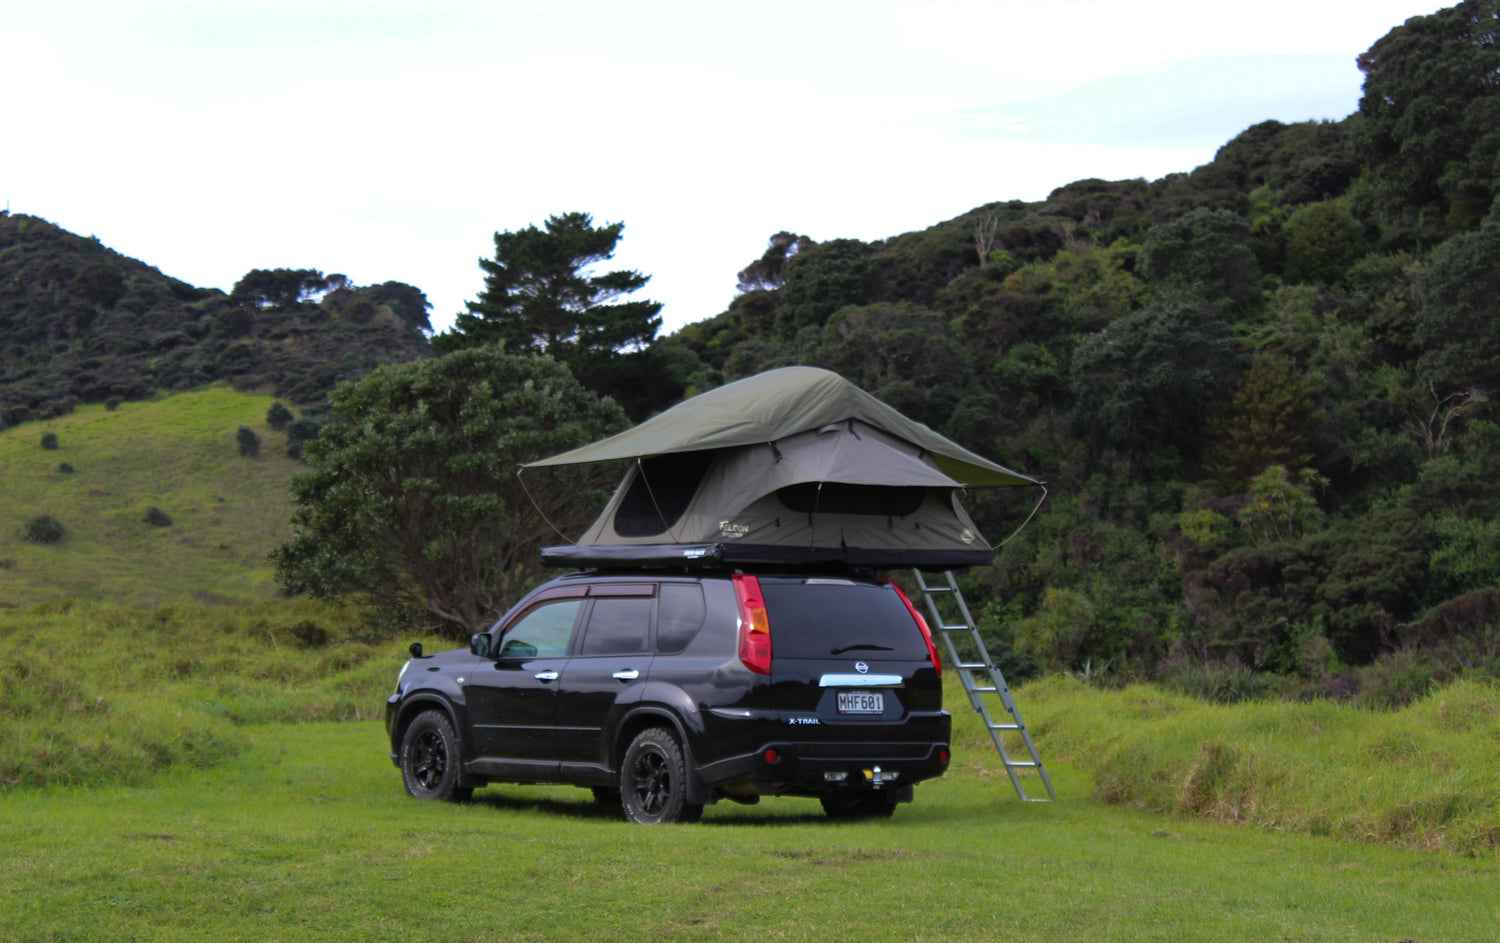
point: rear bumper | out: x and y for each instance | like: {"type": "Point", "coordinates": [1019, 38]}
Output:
{"type": "Point", "coordinates": [790, 767]}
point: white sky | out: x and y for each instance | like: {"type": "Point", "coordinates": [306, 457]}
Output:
{"type": "Point", "coordinates": [391, 140]}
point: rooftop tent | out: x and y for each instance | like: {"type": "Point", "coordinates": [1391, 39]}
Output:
{"type": "Point", "coordinates": [795, 465]}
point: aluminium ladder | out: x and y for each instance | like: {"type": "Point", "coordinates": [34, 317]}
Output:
{"type": "Point", "coordinates": [980, 676]}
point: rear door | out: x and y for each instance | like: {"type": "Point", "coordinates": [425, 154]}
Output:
{"type": "Point", "coordinates": [847, 658]}
{"type": "Point", "coordinates": [610, 662]}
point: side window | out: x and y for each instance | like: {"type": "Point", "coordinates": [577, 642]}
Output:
{"type": "Point", "coordinates": [680, 616]}
{"type": "Point", "coordinates": [618, 626]}
{"type": "Point", "coordinates": [543, 632]}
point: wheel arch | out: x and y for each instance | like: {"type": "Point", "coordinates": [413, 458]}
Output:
{"type": "Point", "coordinates": [421, 703]}
{"type": "Point", "coordinates": [645, 717]}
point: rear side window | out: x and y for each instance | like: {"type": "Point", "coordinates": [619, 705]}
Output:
{"type": "Point", "coordinates": [680, 616]}
{"type": "Point", "coordinates": [618, 626]}
{"type": "Point", "coordinates": [813, 619]}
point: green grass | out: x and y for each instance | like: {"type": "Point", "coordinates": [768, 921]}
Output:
{"type": "Point", "coordinates": [179, 774]}
{"type": "Point", "coordinates": [99, 692]}
{"type": "Point", "coordinates": [1426, 776]}
{"type": "Point", "coordinates": [177, 453]}
{"type": "Point", "coordinates": [307, 835]}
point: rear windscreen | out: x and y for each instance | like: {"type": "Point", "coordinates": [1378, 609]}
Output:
{"type": "Point", "coordinates": [811, 619]}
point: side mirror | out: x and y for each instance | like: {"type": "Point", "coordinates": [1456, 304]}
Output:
{"type": "Point", "coordinates": [415, 649]}
{"type": "Point", "coordinates": [479, 644]}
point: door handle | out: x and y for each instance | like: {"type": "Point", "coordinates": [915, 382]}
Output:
{"type": "Point", "coordinates": [548, 675]}
{"type": "Point", "coordinates": [626, 674]}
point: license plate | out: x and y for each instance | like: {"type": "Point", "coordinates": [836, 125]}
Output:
{"type": "Point", "coordinates": [861, 702]}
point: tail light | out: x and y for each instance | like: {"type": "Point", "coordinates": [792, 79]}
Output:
{"type": "Point", "coordinates": [755, 627]}
{"type": "Point", "coordinates": [932, 651]}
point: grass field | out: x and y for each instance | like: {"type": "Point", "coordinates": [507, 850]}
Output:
{"type": "Point", "coordinates": [307, 835]}
{"type": "Point", "coordinates": [220, 773]}
{"type": "Point", "coordinates": [178, 454]}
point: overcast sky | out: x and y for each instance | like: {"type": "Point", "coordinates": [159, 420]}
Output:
{"type": "Point", "coordinates": [391, 140]}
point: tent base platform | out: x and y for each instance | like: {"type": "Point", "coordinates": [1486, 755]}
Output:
{"type": "Point", "coordinates": [702, 555]}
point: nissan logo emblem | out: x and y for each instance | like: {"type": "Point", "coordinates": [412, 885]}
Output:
{"type": "Point", "coordinates": [861, 667]}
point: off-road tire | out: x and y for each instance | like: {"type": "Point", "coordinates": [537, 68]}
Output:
{"type": "Point", "coordinates": [432, 760]}
{"type": "Point", "coordinates": [653, 780]}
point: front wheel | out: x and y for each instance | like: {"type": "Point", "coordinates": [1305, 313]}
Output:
{"type": "Point", "coordinates": [653, 780]}
{"type": "Point", "coordinates": [431, 761]}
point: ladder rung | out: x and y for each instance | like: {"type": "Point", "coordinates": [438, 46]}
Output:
{"type": "Point", "coordinates": [1005, 726]}
{"type": "Point", "coordinates": [1016, 764]}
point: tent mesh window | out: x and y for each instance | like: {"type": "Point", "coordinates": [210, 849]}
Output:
{"type": "Point", "coordinates": [661, 491]}
{"type": "Point", "coordinates": [835, 498]}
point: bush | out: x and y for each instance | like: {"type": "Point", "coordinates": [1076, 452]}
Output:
{"type": "Point", "coordinates": [49, 440]}
{"type": "Point", "coordinates": [1216, 683]}
{"type": "Point", "coordinates": [1398, 679]}
{"type": "Point", "coordinates": [112, 403]}
{"type": "Point", "coordinates": [278, 416]}
{"type": "Point", "coordinates": [248, 441]}
{"type": "Point", "coordinates": [303, 430]}
{"type": "Point", "coordinates": [43, 529]}
{"type": "Point", "coordinates": [65, 468]}
{"type": "Point", "coordinates": [156, 517]}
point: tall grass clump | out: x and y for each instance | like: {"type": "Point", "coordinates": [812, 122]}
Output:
{"type": "Point", "coordinates": [1427, 775]}
{"type": "Point", "coordinates": [99, 692]}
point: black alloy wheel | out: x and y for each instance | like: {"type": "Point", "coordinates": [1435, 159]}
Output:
{"type": "Point", "coordinates": [653, 780]}
{"type": "Point", "coordinates": [431, 763]}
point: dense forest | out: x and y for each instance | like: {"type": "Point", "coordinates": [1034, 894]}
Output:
{"type": "Point", "coordinates": [1258, 391]}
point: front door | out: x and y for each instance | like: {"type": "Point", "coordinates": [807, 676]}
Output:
{"type": "Point", "coordinates": [513, 702]}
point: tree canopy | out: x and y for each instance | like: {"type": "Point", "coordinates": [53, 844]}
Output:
{"type": "Point", "coordinates": [412, 498]}
{"type": "Point", "coordinates": [1430, 124]}
{"type": "Point", "coordinates": [539, 295]}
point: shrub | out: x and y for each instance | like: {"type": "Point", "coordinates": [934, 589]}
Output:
{"type": "Point", "coordinates": [1226, 683]}
{"type": "Point", "coordinates": [303, 430]}
{"type": "Point", "coordinates": [278, 416]}
{"type": "Point", "coordinates": [1399, 678]}
{"type": "Point", "coordinates": [113, 403]}
{"type": "Point", "coordinates": [248, 441]}
{"type": "Point", "coordinates": [156, 517]}
{"type": "Point", "coordinates": [49, 440]}
{"type": "Point", "coordinates": [65, 468]}
{"type": "Point", "coordinates": [43, 529]}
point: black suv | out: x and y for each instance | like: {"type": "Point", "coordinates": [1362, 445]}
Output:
{"type": "Point", "coordinates": [667, 692]}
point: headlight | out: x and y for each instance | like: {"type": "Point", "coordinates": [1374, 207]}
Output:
{"type": "Point", "coordinates": [402, 674]}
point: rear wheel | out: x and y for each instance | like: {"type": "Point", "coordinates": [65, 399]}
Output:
{"type": "Point", "coordinates": [431, 759]}
{"type": "Point", "coordinates": [653, 780]}
{"type": "Point", "coordinates": [857, 805]}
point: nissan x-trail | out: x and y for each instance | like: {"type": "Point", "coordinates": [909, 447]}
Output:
{"type": "Point", "coordinates": [663, 693]}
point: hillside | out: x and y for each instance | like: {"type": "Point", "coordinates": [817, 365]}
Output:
{"type": "Point", "coordinates": [177, 454]}
{"type": "Point", "coordinates": [1260, 391]}
{"type": "Point", "coordinates": [80, 323]}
